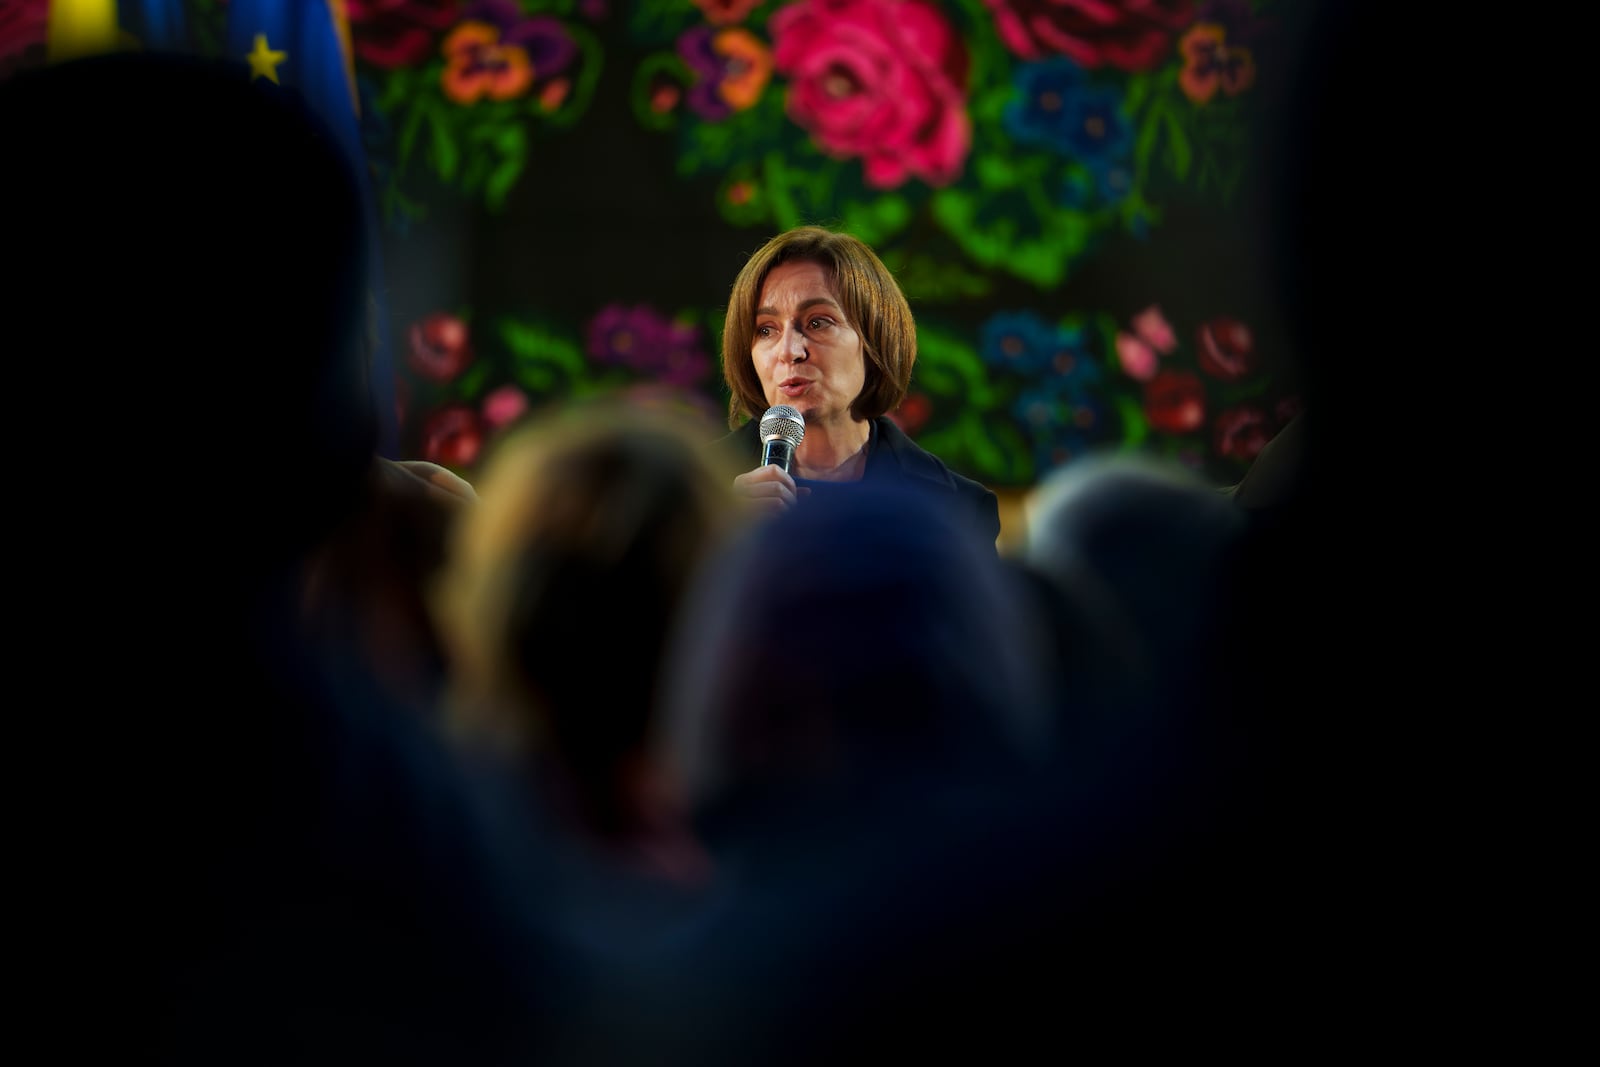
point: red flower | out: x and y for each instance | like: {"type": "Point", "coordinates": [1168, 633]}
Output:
{"type": "Point", "coordinates": [1241, 432]}
{"type": "Point", "coordinates": [453, 436]}
{"type": "Point", "coordinates": [725, 12]}
{"type": "Point", "coordinates": [912, 413]}
{"type": "Point", "coordinates": [440, 348]}
{"type": "Point", "coordinates": [1227, 351]}
{"type": "Point", "coordinates": [24, 29]}
{"type": "Point", "coordinates": [1175, 401]}
{"type": "Point", "coordinates": [1131, 35]}
{"type": "Point", "coordinates": [398, 33]}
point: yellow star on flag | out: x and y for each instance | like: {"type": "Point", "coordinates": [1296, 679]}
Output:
{"type": "Point", "coordinates": [264, 61]}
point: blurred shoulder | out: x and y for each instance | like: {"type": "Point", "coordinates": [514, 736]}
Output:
{"type": "Point", "coordinates": [916, 463]}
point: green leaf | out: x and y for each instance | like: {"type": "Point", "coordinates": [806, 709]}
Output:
{"type": "Point", "coordinates": [445, 155]}
{"type": "Point", "coordinates": [989, 232]}
{"type": "Point", "coordinates": [470, 384]}
{"type": "Point", "coordinates": [1135, 428]}
{"type": "Point", "coordinates": [980, 445]}
{"type": "Point", "coordinates": [1179, 154]}
{"type": "Point", "coordinates": [996, 171]}
{"type": "Point", "coordinates": [590, 63]}
{"type": "Point", "coordinates": [776, 176]}
{"type": "Point", "coordinates": [1149, 134]}
{"type": "Point", "coordinates": [936, 279]}
{"type": "Point", "coordinates": [1020, 468]}
{"type": "Point", "coordinates": [512, 146]}
{"type": "Point", "coordinates": [877, 221]}
{"type": "Point", "coordinates": [662, 18]}
{"type": "Point", "coordinates": [541, 357]}
{"type": "Point", "coordinates": [416, 114]}
{"type": "Point", "coordinates": [1137, 91]}
{"type": "Point", "coordinates": [948, 366]}
{"type": "Point", "coordinates": [644, 73]}
{"type": "Point", "coordinates": [969, 446]}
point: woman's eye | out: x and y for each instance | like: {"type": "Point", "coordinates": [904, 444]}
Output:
{"type": "Point", "coordinates": [763, 331]}
{"type": "Point", "coordinates": [818, 324]}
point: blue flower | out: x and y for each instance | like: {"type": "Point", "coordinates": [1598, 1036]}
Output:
{"type": "Point", "coordinates": [1062, 421]}
{"type": "Point", "coordinates": [1041, 114]}
{"type": "Point", "coordinates": [1094, 126]}
{"type": "Point", "coordinates": [1021, 340]}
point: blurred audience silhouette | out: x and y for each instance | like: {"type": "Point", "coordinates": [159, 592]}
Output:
{"type": "Point", "coordinates": [367, 587]}
{"type": "Point", "coordinates": [557, 603]}
{"type": "Point", "coordinates": [558, 599]}
{"type": "Point", "coordinates": [852, 708]}
{"type": "Point", "coordinates": [1141, 549]}
{"type": "Point", "coordinates": [287, 868]}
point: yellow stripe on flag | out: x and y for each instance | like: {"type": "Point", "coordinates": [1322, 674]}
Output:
{"type": "Point", "coordinates": [341, 25]}
{"type": "Point", "coordinates": [81, 28]}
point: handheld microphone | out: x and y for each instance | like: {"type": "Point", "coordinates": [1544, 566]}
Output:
{"type": "Point", "coordinates": [782, 428]}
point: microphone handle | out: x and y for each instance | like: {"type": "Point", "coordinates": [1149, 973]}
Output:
{"type": "Point", "coordinates": [777, 450]}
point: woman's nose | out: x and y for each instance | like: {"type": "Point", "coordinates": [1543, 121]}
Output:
{"type": "Point", "coordinates": [796, 345]}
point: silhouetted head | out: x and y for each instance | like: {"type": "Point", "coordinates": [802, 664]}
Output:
{"type": "Point", "coordinates": [188, 308]}
{"type": "Point", "coordinates": [562, 584]}
{"type": "Point", "coordinates": [1146, 550]}
{"type": "Point", "coordinates": [863, 640]}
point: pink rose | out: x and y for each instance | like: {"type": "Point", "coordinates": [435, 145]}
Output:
{"type": "Point", "coordinates": [1152, 325]}
{"type": "Point", "coordinates": [1131, 35]}
{"type": "Point", "coordinates": [1139, 360]}
{"type": "Point", "coordinates": [882, 80]}
{"type": "Point", "coordinates": [504, 406]}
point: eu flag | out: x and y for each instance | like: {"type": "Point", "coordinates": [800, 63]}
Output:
{"type": "Point", "coordinates": [297, 44]}
{"type": "Point", "coordinates": [157, 25]}
{"type": "Point", "coordinates": [303, 46]}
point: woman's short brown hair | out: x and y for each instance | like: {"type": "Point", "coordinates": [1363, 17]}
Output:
{"type": "Point", "coordinates": [872, 301]}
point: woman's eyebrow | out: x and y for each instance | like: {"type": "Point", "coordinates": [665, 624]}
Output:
{"type": "Point", "coordinates": [805, 305]}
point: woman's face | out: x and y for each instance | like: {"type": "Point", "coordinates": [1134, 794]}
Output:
{"type": "Point", "coordinates": [806, 354]}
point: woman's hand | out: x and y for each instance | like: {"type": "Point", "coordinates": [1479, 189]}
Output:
{"type": "Point", "coordinates": [768, 489]}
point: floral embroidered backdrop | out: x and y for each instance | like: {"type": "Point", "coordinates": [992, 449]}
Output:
{"type": "Point", "coordinates": [565, 190]}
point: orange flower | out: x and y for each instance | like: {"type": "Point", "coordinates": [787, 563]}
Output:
{"type": "Point", "coordinates": [748, 70]}
{"type": "Point", "coordinates": [1209, 64]}
{"type": "Point", "coordinates": [478, 64]}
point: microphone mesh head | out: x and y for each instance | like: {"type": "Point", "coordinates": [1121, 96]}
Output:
{"type": "Point", "coordinates": [783, 422]}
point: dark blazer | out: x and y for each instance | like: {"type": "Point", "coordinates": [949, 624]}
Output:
{"type": "Point", "coordinates": [894, 457]}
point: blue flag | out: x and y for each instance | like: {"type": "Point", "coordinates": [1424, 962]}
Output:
{"type": "Point", "coordinates": [295, 43]}
{"type": "Point", "coordinates": [301, 45]}
{"type": "Point", "coordinates": [155, 25]}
